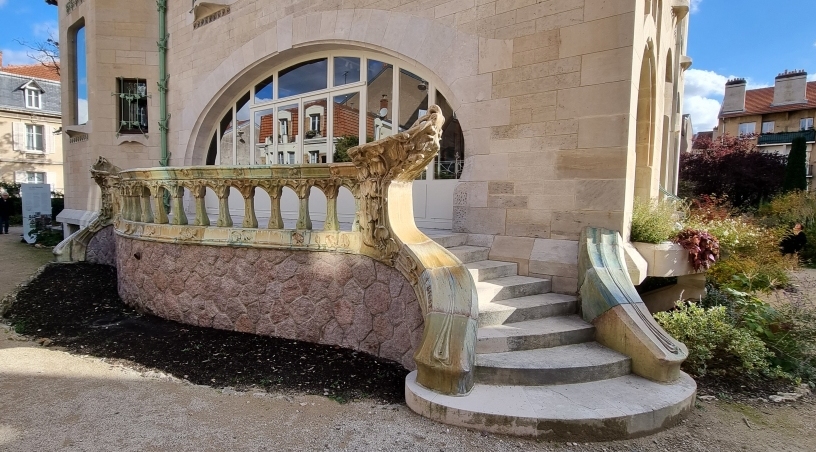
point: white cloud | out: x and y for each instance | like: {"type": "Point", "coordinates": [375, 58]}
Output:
{"type": "Point", "coordinates": [695, 5]}
{"type": "Point", "coordinates": [703, 111]}
{"type": "Point", "coordinates": [703, 93]}
{"type": "Point", "coordinates": [703, 83]}
{"type": "Point", "coordinates": [812, 77]}
{"type": "Point", "coordinates": [13, 57]}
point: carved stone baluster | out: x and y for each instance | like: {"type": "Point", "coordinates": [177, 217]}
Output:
{"type": "Point", "coordinates": [247, 189]}
{"type": "Point", "coordinates": [135, 202]}
{"type": "Point", "coordinates": [330, 188]}
{"type": "Point", "coordinates": [158, 201]}
{"type": "Point", "coordinates": [302, 189]}
{"type": "Point", "coordinates": [199, 190]}
{"type": "Point", "coordinates": [222, 190]}
{"type": "Point", "coordinates": [124, 189]}
{"type": "Point", "coordinates": [144, 200]}
{"type": "Point", "coordinates": [177, 198]}
{"type": "Point", "coordinates": [274, 190]}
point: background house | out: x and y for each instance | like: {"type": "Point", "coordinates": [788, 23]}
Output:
{"type": "Point", "coordinates": [776, 115]}
{"type": "Point", "coordinates": [30, 114]}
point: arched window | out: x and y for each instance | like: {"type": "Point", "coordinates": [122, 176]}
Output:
{"type": "Point", "coordinates": [312, 110]}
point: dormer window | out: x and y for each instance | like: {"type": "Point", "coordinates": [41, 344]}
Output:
{"type": "Point", "coordinates": [33, 95]}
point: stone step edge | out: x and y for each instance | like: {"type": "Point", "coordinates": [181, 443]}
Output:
{"type": "Point", "coordinates": [667, 405]}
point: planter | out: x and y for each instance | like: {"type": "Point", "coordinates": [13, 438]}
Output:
{"type": "Point", "coordinates": [666, 260]}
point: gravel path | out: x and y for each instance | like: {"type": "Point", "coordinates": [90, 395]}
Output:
{"type": "Point", "coordinates": [53, 400]}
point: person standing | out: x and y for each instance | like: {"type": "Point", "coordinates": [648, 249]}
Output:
{"type": "Point", "coordinates": [795, 241]}
{"type": "Point", "coordinates": [5, 212]}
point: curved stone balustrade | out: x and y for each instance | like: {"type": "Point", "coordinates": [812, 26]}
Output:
{"type": "Point", "coordinates": [380, 179]}
{"type": "Point", "coordinates": [143, 214]}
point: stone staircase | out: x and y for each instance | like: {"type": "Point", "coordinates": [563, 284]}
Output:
{"type": "Point", "coordinates": [539, 371]}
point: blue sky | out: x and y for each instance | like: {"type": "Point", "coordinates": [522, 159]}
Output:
{"type": "Point", "coordinates": [754, 39]}
{"type": "Point", "coordinates": [27, 20]}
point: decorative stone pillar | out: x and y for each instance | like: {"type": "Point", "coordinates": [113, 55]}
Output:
{"type": "Point", "coordinates": [158, 201]}
{"type": "Point", "coordinates": [274, 190]}
{"type": "Point", "coordinates": [302, 189]}
{"type": "Point", "coordinates": [199, 191]}
{"type": "Point", "coordinates": [330, 188]}
{"type": "Point", "coordinates": [177, 195]}
{"type": "Point", "coordinates": [247, 189]}
{"type": "Point", "coordinates": [144, 201]}
{"type": "Point", "coordinates": [222, 190]}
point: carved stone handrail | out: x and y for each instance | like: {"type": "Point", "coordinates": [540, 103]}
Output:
{"type": "Point", "coordinates": [622, 322]}
{"type": "Point", "coordinates": [380, 179]}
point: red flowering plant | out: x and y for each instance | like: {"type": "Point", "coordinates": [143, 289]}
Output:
{"type": "Point", "coordinates": [703, 248]}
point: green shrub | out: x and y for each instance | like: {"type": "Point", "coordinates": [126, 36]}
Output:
{"type": "Point", "coordinates": [787, 328]}
{"type": "Point", "coordinates": [654, 221]}
{"type": "Point", "coordinates": [796, 168]}
{"type": "Point", "coordinates": [716, 346]}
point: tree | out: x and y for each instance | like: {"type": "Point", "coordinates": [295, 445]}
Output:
{"type": "Point", "coordinates": [44, 52]}
{"type": "Point", "coordinates": [796, 169]}
{"type": "Point", "coordinates": [731, 166]}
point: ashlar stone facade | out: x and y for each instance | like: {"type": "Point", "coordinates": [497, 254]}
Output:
{"type": "Point", "coordinates": [569, 108]}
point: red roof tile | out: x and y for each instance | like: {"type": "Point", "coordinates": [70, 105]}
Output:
{"type": "Point", "coordinates": [32, 70]}
{"type": "Point", "coordinates": [758, 102]}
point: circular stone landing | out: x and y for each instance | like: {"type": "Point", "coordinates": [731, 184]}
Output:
{"type": "Point", "coordinates": [617, 408]}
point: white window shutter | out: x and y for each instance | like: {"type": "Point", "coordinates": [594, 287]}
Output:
{"type": "Point", "coordinates": [51, 179]}
{"type": "Point", "coordinates": [18, 136]}
{"type": "Point", "coordinates": [48, 140]}
{"type": "Point", "coordinates": [20, 177]}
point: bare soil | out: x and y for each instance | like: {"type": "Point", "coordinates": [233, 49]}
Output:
{"type": "Point", "coordinates": [64, 398]}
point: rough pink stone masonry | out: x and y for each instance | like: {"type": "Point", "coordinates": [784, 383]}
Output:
{"type": "Point", "coordinates": [340, 299]}
{"type": "Point", "coordinates": [102, 248]}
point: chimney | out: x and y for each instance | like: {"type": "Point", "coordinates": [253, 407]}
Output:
{"type": "Point", "coordinates": [1, 58]}
{"type": "Point", "coordinates": [384, 101]}
{"type": "Point", "coordinates": [790, 88]}
{"type": "Point", "coordinates": [734, 99]}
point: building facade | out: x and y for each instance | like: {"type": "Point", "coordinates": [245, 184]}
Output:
{"type": "Point", "coordinates": [30, 113]}
{"type": "Point", "coordinates": [775, 115]}
{"type": "Point", "coordinates": [560, 112]}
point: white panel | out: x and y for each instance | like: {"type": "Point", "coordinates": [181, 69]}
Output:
{"type": "Point", "coordinates": [48, 141]}
{"type": "Point", "coordinates": [18, 136]}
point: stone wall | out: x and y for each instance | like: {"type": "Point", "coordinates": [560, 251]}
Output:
{"type": "Point", "coordinates": [347, 300]}
{"type": "Point", "coordinates": [102, 248]}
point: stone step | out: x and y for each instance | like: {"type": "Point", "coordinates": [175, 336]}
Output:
{"type": "Point", "coordinates": [567, 364]}
{"type": "Point", "coordinates": [449, 239]}
{"type": "Point", "coordinates": [527, 308]}
{"type": "Point", "coordinates": [507, 287]}
{"type": "Point", "coordinates": [532, 334]}
{"type": "Point", "coordinates": [614, 409]}
{"type": "Point", "coordinates": [468, 254]}
{"type": "Point", "coordinates": [483, 270]}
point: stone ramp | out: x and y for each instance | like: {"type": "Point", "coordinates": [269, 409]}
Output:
{"type": "Point", "coordinates": [539, 371]}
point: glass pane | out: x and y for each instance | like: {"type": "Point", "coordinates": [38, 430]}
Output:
{"type": "Point", "coordinates": [287, 131]}
{"type": "Point", "coordinates": [264, 137]}
{"type": "Point", "coordinates": [380, 97]}
{"type": "Point", "coordinates": [263, 90]}
{"type": "Point", "coordinates": [346, 70]}
{"type": "Point", "coordinates": [81, 78]}
{"type": "Point", "coordinates": [303, 78]}
{"type": "Point", "coordinates": [315, 143]}
{"type": "Point", "coordinates": [242, 120]}
{"type": "Point", "coordinates": [346, 133]}
{"type": "Point", "coordinates": [451, 159]}
{"type": "Point", "coordinates": [225, 140]}
{"type": "Point", "coordinates": [413, 98]}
